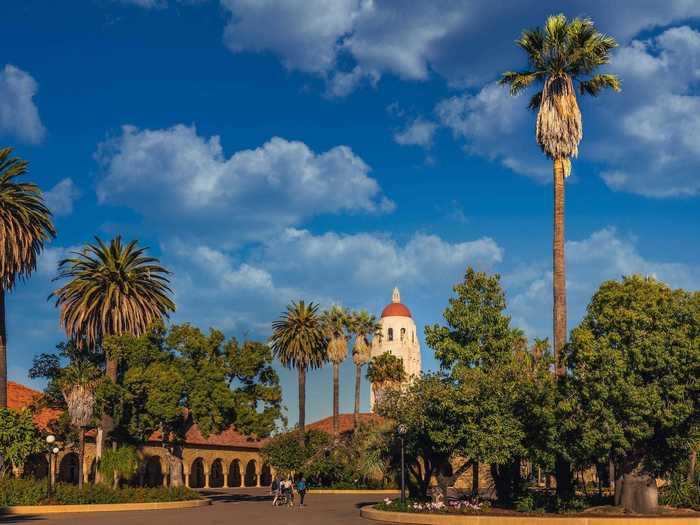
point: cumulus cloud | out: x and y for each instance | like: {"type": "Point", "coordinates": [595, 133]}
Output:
{"type": "Point", "coordinates": [19, 116]}
{"type": "Point", "coordinates": [464, 41]}
{"type": "Point", "coordinates": [172, 175]}
{"type": "Point", "coordinates": [420, 132]}
{"type": "Point", "coordinates": [357, 270]}
{"type": "Point", "coordinates": [604, 255]}
{"type": "Point", "coordinates": [61, 197]}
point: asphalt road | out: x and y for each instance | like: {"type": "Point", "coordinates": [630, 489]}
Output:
{"type": "Point", "coordinates": [236, 506]}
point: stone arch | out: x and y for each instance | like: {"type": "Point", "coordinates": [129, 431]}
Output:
{"type": "Point", "coordinates": [266, 476]}
{"type": "Point", "coordinates": [69, 469]}
{"type": "Point", "coordinates": [251, 474]}
{"type": "Point", "coordinates": [153, 472]}
{"type": "Point", "coordinates": [36, 466]}
{"type": "Point", "coordinates": [197, 471]}
{"type": "Point", "coordinates": [216, 474]}
{"type": "Point", "coordinates": [234, 474]}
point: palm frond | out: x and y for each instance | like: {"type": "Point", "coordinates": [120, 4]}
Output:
{"type": "Point", "coordinates": [25, 221]}
{"type": "Point", "coordinates": [594, 85]}
{"type": "Point", "coordinates": [518, 80]}
{"type": "Point", "coordinates": [298, 339]}
{"type": "Point", "coordinates": [535, 101]}
{"type": "Point", "coordinates": [111, 290]}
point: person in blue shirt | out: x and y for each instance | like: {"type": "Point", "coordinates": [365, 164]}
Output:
{"type": "Point", "coordinates": [301, 489]}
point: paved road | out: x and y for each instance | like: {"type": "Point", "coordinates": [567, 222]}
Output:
{"type": "Point", "coordinates": [234, 507]}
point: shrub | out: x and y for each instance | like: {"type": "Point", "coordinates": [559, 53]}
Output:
{"type": "Point", "coordinates": [33, 492]}
{"type": "Point", "coordinates": [680, 492]}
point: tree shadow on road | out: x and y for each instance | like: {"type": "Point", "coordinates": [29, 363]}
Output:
{"type": "Point", "coordinates": [227, 497]}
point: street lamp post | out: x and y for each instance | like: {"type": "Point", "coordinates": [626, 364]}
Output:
{"type": "Point", "coordinates": [402, 430]}
{"type": "Point", "coordinates": [52, 451]}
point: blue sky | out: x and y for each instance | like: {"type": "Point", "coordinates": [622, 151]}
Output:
{"type": "Point", "coordinates": [331, 150]}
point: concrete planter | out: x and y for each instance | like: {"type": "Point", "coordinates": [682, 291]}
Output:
{"type": "Point", "coordinates": [106, 507]}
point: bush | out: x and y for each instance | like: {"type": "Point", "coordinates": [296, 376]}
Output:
{"type": "Point", "coordinates": [680, 492]}
{"type": "Point", "coordinates": [33, 492]}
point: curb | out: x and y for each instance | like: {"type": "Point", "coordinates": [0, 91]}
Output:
{"type": "Point", "coordinates": [369, 512]}
{"type": "Point", "coordinates": [354, 491]}
{"type": "Point", "coordinates": [104, 507]}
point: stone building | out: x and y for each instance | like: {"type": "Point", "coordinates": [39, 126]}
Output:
{"type": "Point", "coordinates": [228, 459]}
{"type": "Point", "coordinates": [399, 337]}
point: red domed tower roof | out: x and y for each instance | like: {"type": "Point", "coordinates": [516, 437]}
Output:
{"type": "Point", "coordinates": [395, 308]}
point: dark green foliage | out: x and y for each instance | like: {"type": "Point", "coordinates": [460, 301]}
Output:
{"type": "Point", "coordinates": [33, 492]}
{"type": "Point", "coordinates": [18, 438]}
{"type": "Point", "coordinates": [288, 453]}
{"type": "Point", "coordinates": [634, 387]}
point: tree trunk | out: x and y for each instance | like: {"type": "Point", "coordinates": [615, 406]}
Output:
{"type": "Point", "coordinates": [175, 466]}
{"type": "Point", "coordinates": [81, 457]}
{"type": "Point", "coordinates": [3, 352]}
{"type": "Point", "coordinates": [563, 475]}
{"type": "Point", "coordinates": [475, 479]}
{"type": "Point", "coordinates": [559, 278]}
{"type": "Point", "coordinates": [692, 463]}
{"type": "Point", "coordinates": [639, 492]}
{"type": "Point", "coordinates": [106, 421]}
{"type": "Point", "coordinates": [336, 395]}
{"type": "Point", "coordinates": [358, 383]}
{"type": "Point", "coordinates": [302, 401]}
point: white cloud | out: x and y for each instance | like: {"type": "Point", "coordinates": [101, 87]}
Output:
{"type": "Point", "coordinates": [603, 256]}
{"type": "Point", "coordinates": [464, 41]}
{"type": "Point", "coordinates": [60, 198]}
{"type": "Point", "coordinates": [172, 175]}
{"type": "Point", "coordinates": [420, 132]}
{"type": "Point", "coordinates": [19, 116]}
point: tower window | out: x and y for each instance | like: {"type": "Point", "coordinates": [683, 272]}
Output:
{"type": "Point", "coordinates": [413, 337]}
{"type": "Point", "coordinates": [403, 334]}
{"type": "Point", "coordinates": [390, 334]}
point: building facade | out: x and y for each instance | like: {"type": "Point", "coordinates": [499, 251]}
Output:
{"type": "Point", "coordinates": [398, 337]}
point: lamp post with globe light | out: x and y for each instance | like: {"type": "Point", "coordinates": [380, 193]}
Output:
{"type": "Point", "coordinates": [52, 450]}
{"type": "Point", "coordinates": [402, 430]}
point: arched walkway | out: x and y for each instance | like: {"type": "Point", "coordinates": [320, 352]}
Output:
{"type": "Point", "coordinates": [68, 470]}
{"type": "Point", "coordinates": [153, 476]}
{"type": "Point", "coordinates": [234, 474]}
{"type": "Point", "coordinates": [251, 477]}
{"type": "Point", "coordinates": [36, 467]}
{"type": "Point", "coordinates": [216, 475]}
{"type": "Point", "coordinates": [197, 474]}
{"type": "Point", "coordinates": [266, 476]}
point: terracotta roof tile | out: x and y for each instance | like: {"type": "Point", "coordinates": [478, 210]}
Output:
{"type": "Point", "coordinates": [20, 396]}
{"type": "Point", "coordinates": [345, 423]}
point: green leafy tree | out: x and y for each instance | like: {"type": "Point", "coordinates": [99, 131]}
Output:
{"type": "Point", "coordinates": [335, 322]}
{"type": "Point", "coordinates": [561, 53]}
{"type": "Point", "coordinates": [298, 342]}
{"type": "Point", "coordinates": [180, 377]}
{"type": "Point", "coordinates": [112, 290]}
{"type": "Point", "coordinates": [19, 438]}
{"type": "Point", "coordinates": [119, 463]}
{"type": "Point", "coordinates": [385, 372]}
{"type": "Point", "coordinates": [365, 328]}
{"type": "Point", "coordinates": [288, 453]}
{"type": "Point", "coordinates": [25, 226]}
{"type": "Point", "coordinates": [634, 387]}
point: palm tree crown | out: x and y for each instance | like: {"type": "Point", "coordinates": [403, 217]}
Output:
{"type": "Point", "coordinates": [25, 221]}
{"type": "Point", "coordinates": [559, 54]}
{"type": "Point", "coordinates": [113, 289]}
{"type": "Point", "coordinates": [335, 322]}
{"type": "Point", "coordinates": [364, 325]}
{"type": "Point", "coordinates": [297, 337]}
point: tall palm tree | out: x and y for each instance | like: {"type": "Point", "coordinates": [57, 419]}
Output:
{"type": "Point", "coordinates": [112, 290]}
{"type": "Point", "coordinates": [559, 54]}
{"type": "Point", "coordinates": [385, 371]}
{"type": "Point", "coordinates": [363, 326]}
{"type": "Point", "coordinates": [78, 383]}
{"type": "Point", "coordinates": [298, 342]}
{"type": "Point", "coordinates": [335, 322]}
{"type": "Point", "coordinates": [25, 225]}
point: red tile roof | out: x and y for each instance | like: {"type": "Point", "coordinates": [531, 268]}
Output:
{"type": "Point", "coordinates": [345, 423]}
{"type": "Point", "coordinates": [396, 310]}
{"type": "Point", "coordinates": [19, 396]}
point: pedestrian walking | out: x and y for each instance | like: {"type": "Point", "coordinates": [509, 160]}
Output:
{"type": "Point", "coordinates": [275, 490]}
{"type": "Point", "coordinates": [301, 489]}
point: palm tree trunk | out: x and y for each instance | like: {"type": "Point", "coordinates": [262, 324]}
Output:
{"type": "Point", "coordinates": [81, 457]}
{"type": "Point", "coordinates": [106, 422]}
{"type": "Point", "coordinates": [3, 352]}
{"type": "Point", "coordinates": [563, 468]}
{"type": "Point", "coordinates": [302, 400]}
{"type": "Point", "coordinates": [336, 395]}
{"type": "Point", "coordinates": [358, 383]}
{"type": "Point", "coordinates": [559, 267]}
